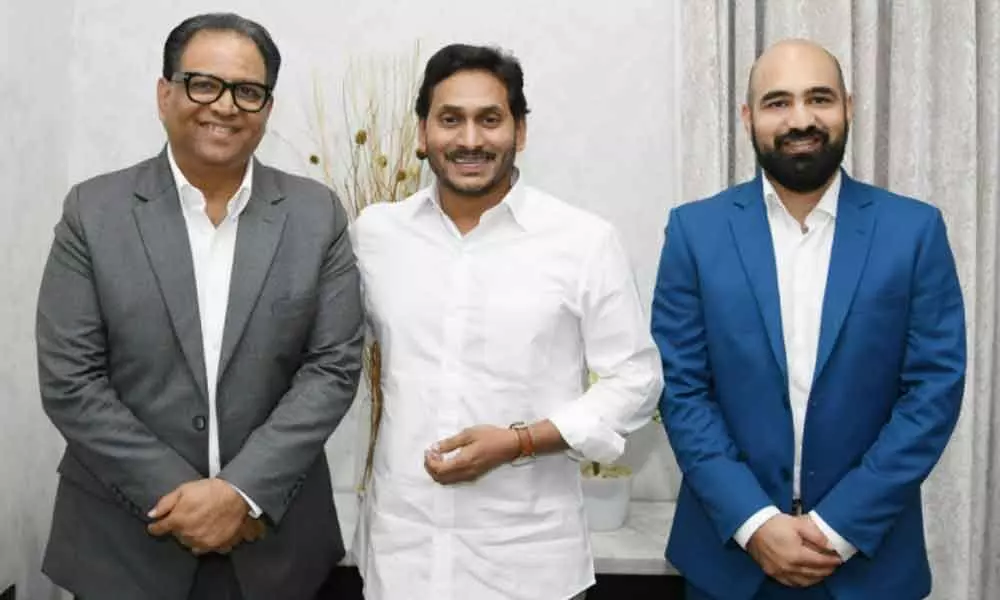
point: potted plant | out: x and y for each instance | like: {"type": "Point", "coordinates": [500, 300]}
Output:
{"type": "Point", "coordinates": [607, 490]}
{"type": "Point", "coordinates": [373, 158]}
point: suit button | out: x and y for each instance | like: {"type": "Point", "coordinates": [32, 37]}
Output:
{"type": "Point", "coordinates": [199, 423]}
{"type": "Point", "coordinates": [742, 457]}
{"type": "Point", "coordinates": [786, 474]}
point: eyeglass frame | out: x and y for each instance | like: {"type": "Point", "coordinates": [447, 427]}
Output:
{"type": "Point", "coordinates": [185, 77]}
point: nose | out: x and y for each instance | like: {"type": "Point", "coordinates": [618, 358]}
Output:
{"type": "Point", "coordinates": [470, 136]}
{"type": "Point", "coordinates": [225, 104]}
{"type": "Point", "coordinates": [801, 116]}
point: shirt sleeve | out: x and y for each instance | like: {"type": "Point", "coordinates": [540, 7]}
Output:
{"type": "Point", "coordinates": [844, 548]}
{"type": "Point", "coordinates": [255, 511]}
{"type": "Point", "coordinates": [751, 525]}
{"type": "Point", "coordinates": [619, 349]}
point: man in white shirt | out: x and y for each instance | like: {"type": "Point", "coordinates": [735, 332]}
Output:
{"type": "Point", "coordinates": [491, 300]}
{"type": "Point", "coordinates": [813, 342]}
{"type": "Point", "coordinates": [199, 339]}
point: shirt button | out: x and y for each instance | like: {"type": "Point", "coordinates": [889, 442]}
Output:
{"type": "Point", "coordinates": [199, 423]}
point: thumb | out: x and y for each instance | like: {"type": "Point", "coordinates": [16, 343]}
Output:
{"type": "Point", "coordinates": [165, 505]}
{"type": "Point", "coordinates": [812, 534]}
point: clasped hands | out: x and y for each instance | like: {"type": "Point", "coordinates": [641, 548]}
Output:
{"type": "Point", "coordinates": [471, 453]}
{"type": "Point", "coordinates": [207, 515]}
{"type": "Point", "coordinates": [793, 551]}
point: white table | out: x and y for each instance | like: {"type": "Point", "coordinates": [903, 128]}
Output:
{"type": "Point", "coordinates": [635, 549]}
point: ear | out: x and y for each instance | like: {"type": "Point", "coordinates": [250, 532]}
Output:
{"type": "Point", "coordinates": [521, 131]}
{"type": "Point", "coordinates": [163, 91]}
{"type": "Point", "coordinates": [849, 108]}
{"type": "Point", "coordinates": [746, 115]}
{"type": "Point", "coordinates": [422, 136]}
{"type": "Point", "coordinates": [266, 112]}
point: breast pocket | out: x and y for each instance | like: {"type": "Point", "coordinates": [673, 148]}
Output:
{"type": "Point", "coordinates": [883, 302]}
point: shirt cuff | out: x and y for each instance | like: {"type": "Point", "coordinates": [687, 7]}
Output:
{"type": "Point", "coordinates": [844, 548]}
{"type": "Point", "coordinates": [584, 433]}
{"type": "Point", "coordinates": [751, 525]}
{"type": "Point", "coordinates": [255, 511]}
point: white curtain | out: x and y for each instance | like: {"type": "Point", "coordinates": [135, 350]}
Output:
{"type": "Point", "coordinates": [926, 85]}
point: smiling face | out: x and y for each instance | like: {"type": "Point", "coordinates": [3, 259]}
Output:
{"type": "Point", "coordinates": [218, 136]}
{"type": "Point", "coordinates": [470, 136]}
{"type": "Point", "coordinates": [798, 115]}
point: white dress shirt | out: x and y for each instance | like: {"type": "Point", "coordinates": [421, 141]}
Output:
{"type": "Point", "coordinates": [213, 249]}
{"type": "Point", "coordinates": [494, 327]}
{"type": "Point", "coordinates": [802, 258]}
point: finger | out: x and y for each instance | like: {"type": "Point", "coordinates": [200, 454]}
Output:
{"type": "Point", "coordinates": [811, 533]}
{"type": "Point", "coordinates": [165, 505]}
{"type": "Point", "coordinates": [812, 573]}
{"type": "Point", "coordinates": [807, 557]}
{"type": "Point", "coordinates": [252, 530]}
{"type": "Point", "coordinates": [162, 527]}
{"type": "Point", "coordinates": [463, 438]}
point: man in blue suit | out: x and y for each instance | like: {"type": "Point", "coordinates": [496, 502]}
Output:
{"type": "Point", "coordinates": [813, 341]}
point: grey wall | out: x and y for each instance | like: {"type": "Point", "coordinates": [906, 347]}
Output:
{"type": "Point", "coordinates": [35, 125]}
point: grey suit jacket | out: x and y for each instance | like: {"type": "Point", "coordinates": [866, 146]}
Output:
{"type": "Point", "coordinates": [122, 377]}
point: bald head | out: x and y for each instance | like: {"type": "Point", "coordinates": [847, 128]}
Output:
{"type": "Point", "coordinates": [793, 58]}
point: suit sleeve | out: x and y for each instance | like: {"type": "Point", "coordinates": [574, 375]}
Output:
{"type": "Point", "coordinates": [864, 504]}
{"type": "Point", "coordinates": [697, 430]}
{"type": "Point", "coordinates": [77, 395]}
{"type": "Point", "coordinates": [275, 459]}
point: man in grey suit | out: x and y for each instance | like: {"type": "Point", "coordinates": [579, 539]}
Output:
{"type": "Point", "coordinates": [199, 338]}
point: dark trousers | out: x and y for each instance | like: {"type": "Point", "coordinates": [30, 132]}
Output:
{"type": "Point", "coordinates": [215, 579]}
{"type": "Point", "coordinates": [771, 590]}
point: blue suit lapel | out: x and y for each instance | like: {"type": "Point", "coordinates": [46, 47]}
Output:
{"type": "Point", "coordinates": [752, 234]}
{"type": "Point", "coordinates": [851, 242]}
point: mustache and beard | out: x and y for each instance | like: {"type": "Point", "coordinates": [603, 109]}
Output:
{"type": "Point", "coordinates": [802, 172]}
{"type": "Point", "coordinates": [502, 162]}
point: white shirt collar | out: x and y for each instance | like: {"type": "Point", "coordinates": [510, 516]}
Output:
{"type": "Point", "coordinates": [196, 201]}
{"type": "Point", "coordinates": [827, 203]}
{"type": "Point", "coordinates": [513, 203]}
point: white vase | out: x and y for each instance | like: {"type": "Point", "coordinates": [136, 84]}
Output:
{"type": "Point", "coordinates": [605, 501]}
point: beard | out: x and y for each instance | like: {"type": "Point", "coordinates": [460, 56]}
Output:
{"type": "Point", "coordinates": [802, 172]}
{"type": "Point", "coordinates": [503, 160]}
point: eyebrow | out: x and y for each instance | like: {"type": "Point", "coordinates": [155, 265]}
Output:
{"type": "Point", "coordinates": [820, 90]}
{"type": "Point", "coordinates": [493, 108]}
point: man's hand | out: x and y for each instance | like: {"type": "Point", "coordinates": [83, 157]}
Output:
{"type": "Point", "coordinates": [814, 537]}
{"type": "Point", "coordinates": [250, 530]}
{"type": "Point", "coordinates": [472, 453]}
{"type": "Point", "coordinates": [793, 551]}
{"type": "Point", "coordinates": [205, 515]}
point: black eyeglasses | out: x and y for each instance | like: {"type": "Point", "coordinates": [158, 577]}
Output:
{"type": "Point", "coordinates": [201, 88]}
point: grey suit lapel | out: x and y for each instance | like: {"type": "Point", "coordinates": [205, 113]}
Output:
{"type": "Point", "coordinates": [164, 235]}
{"type": "Point", "coordinates": [260, 228]}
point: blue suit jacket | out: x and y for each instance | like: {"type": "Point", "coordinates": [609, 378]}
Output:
{"type": "Point", "coordinates": [887, 388]}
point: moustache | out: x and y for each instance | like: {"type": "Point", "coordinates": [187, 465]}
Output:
{"type": "Point", "coordinates": [798, 135]}
{"type": "Point", "coordinates": [456, 155]}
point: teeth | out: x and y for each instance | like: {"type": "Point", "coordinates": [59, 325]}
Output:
{"type": "Point", "coordinates": [220, 129]}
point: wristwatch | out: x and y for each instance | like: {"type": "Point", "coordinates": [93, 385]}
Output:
{"type": "Point", "coordinates": [526, 443]}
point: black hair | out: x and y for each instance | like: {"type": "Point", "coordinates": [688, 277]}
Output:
{"type": "Point", "coordinates": [182, 34]}
{"type": "Point", "coordinates": [462, 57]}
